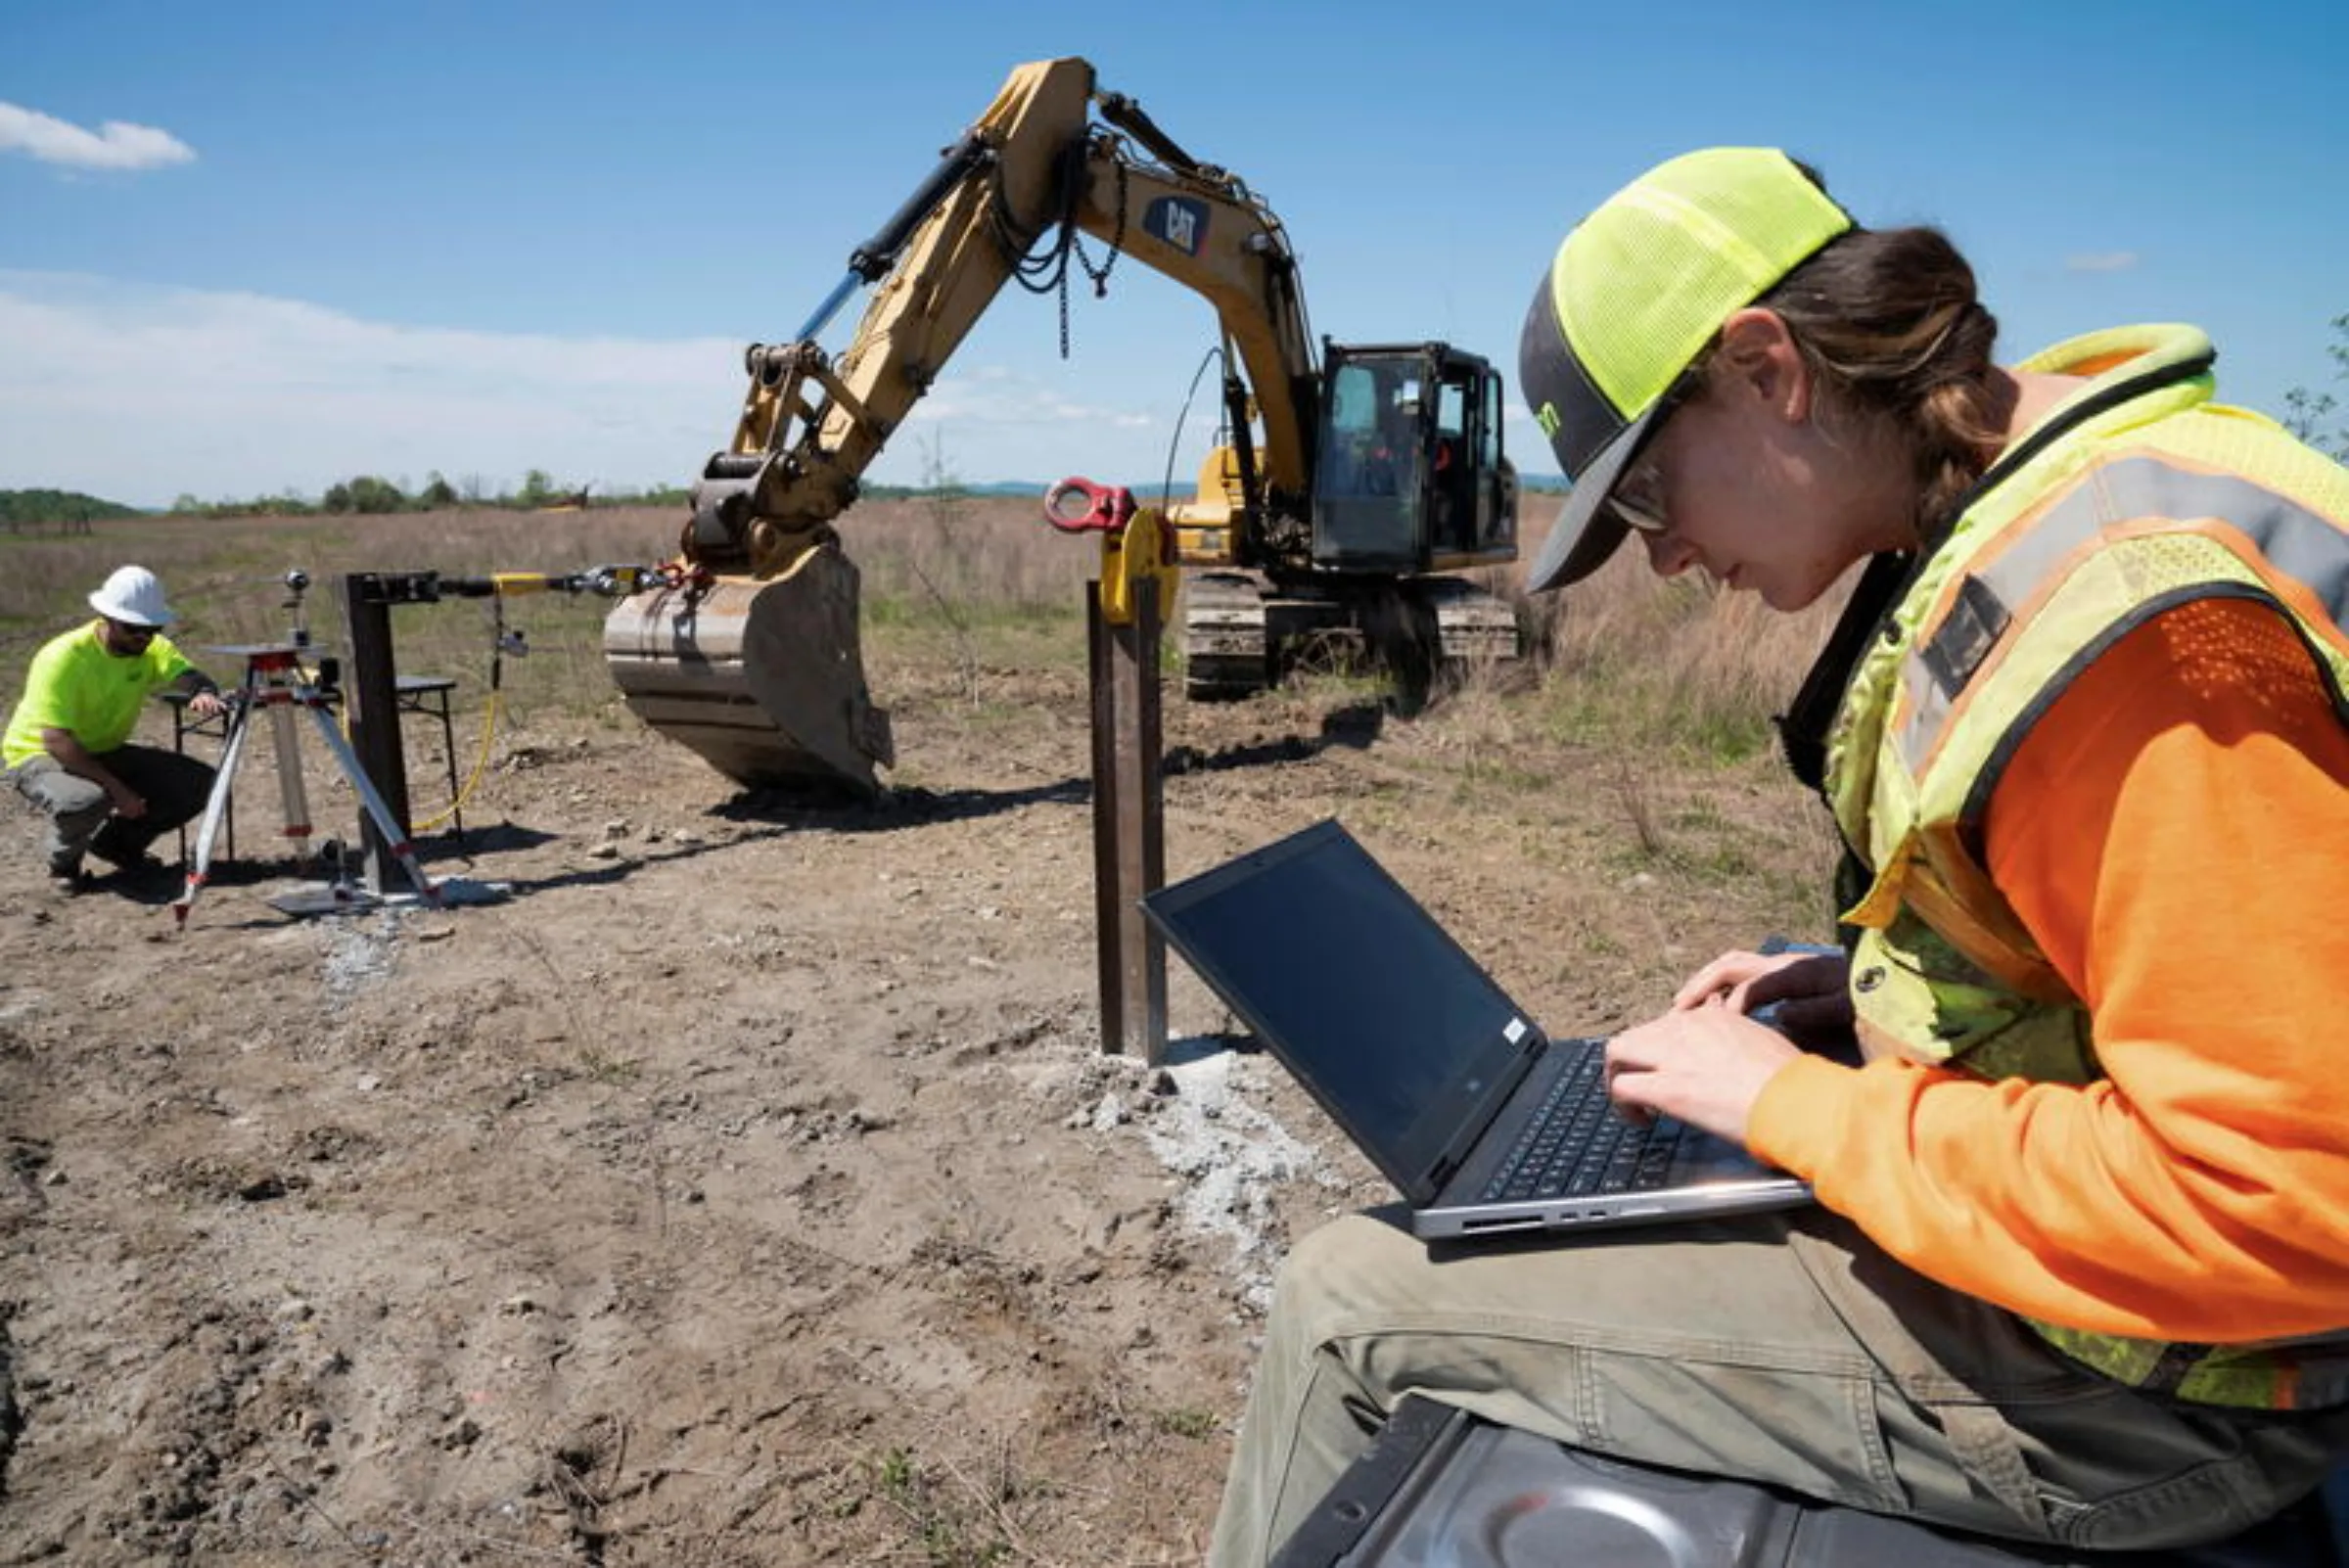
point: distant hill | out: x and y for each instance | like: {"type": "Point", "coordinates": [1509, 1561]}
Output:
{"type": "Point", "coordinates": [58, 506]}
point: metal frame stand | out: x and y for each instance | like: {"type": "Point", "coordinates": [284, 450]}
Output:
{"type": "Point", "coordinates": [274, 679]}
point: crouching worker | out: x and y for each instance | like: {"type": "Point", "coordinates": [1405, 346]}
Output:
{"type": "Point", "coordinates": [2079, 1270]}
{"type": "Point", "coordinates": [67, 744]}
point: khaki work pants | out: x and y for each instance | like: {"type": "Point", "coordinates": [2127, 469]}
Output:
{"type": "Point", "coordinates": [1775, 1348]}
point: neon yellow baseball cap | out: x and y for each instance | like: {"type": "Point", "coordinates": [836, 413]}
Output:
{"type": "Point", "coordinates": [1633, 297]}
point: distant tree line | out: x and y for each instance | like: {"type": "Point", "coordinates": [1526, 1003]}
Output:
{"type": "Point", "coordinates": [20, 507]}
{"type": "Point", "coordinates": [372, 496]}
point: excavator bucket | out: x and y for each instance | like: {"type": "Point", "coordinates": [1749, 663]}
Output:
{"type": "Point", "coordinates": [763, 679]}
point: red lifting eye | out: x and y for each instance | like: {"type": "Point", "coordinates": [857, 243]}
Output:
{"type": "Point", "coordinates": [1107, 508]}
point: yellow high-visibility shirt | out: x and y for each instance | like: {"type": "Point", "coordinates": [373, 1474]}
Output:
{"type": "Point", "coordinates": [76, 686]}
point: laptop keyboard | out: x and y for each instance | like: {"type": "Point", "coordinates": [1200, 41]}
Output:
{"type": "Point", "coordinates": [1574, 1144]}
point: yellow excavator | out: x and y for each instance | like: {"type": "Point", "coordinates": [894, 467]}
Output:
{"type": "Point", "coordinates": [1348, 479]}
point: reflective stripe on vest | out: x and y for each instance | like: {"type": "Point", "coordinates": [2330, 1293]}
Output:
{"type": "Point", "coordinates": [2293, 540]}
{"type": "Point", "coordinates": [2109, 526]}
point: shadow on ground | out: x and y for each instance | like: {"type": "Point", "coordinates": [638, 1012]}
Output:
{"type": "Point", "coordinates": [1354, 727]}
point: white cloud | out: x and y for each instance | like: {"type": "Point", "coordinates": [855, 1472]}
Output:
{"type": "Point", "coordinates": [140, 394]}
{"type": "Point", "coordinates": [2101, 261]}
{"type": "Point", "coordinates": [117, 144]}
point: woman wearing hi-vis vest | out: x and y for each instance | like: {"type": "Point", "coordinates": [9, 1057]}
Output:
{"type": "Point", "coordinates": [2079, 1267]}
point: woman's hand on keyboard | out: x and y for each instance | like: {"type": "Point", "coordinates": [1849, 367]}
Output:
{"type": "Point", "coordinates": [1808, 990]}
{"type": "Point", "coordinates": [1704, 1064]}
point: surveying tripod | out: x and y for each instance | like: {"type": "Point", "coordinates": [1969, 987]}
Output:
{"type": "Point", "coordinates": [275, 679]}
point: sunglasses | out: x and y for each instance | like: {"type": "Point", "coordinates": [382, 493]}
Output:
{"type": "Point", "coordinates": [1637, 500]}
{"type": "Point", "coordinates": [1637, 497]}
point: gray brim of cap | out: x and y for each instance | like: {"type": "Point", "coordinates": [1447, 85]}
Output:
{"type": "Point", "coordinates": [1588, 530]}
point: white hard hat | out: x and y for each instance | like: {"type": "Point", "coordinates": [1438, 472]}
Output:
{"type": "Point", "coordinates": [133, 594]}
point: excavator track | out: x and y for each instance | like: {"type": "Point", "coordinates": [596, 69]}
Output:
{"type": "Point", "coordinates": [1477, 628]}
{"type": "Point", "coordinates": [1241, 636]}
{"type": "Point", "coordinates": [1226, 649]}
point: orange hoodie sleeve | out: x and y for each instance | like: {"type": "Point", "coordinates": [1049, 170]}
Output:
{"type": "Point", "coordinates": [2175, 833]}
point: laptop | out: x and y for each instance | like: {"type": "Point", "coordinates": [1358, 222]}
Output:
{"type": "Point", "coordinates": [1483, 1122]}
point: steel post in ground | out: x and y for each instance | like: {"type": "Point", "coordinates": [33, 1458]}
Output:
{"type": "Point", "coordinates": [1128, 822]}
{"type": "Point", "coordinates": [371, 706]}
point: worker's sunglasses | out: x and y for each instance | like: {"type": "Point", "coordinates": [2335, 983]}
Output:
{"type": "Point", "coordinates": [132, 629]}
{"type": "Point", "coordinates": [1638, 500]}
{"type": "Point", "coordinates": [1637, 497]}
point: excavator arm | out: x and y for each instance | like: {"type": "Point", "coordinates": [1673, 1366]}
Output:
{"type": "Point", "coordinates": [1037, 167]}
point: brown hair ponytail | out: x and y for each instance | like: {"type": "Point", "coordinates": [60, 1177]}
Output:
{"type": "Point", "coordinates": [1888, 323]}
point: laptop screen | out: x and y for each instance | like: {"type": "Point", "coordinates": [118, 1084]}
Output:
{"type": "Point", "coordinates": [1372, 1004]}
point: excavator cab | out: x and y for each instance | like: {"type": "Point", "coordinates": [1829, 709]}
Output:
{"type": "Point", "coordinates": [1408, 482]}
{"type": "Point", "coordinates": [1410, 476]}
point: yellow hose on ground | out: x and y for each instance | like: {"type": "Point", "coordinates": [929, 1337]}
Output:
{"type": "Point", "coordinates": [480, 765]}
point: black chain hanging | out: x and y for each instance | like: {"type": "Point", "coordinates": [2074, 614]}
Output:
{"type": "Point", "coordinates": [1047, 270]}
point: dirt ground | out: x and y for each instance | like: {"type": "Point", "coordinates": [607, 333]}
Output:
{"type": "Point", "coordinates": [750, 1186]}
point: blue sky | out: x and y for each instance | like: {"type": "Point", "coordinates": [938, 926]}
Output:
{"type": "Point", "coordinates": [483, 237]}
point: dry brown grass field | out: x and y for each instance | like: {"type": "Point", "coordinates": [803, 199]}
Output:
{"type": "Point", "coordinates": [748, 1185]}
